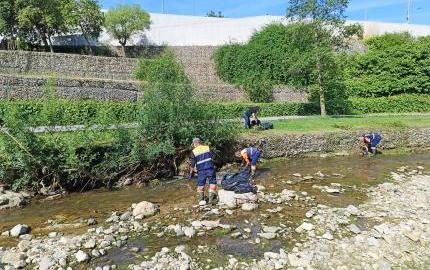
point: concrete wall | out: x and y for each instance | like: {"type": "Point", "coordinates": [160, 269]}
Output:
{"type": "Point", "coordinates": [97, 71]}
{"type": "Point", "coordinates": [292, 145]}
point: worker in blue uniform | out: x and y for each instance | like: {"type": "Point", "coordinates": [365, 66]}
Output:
{"type": "Point", "coordinates": [370, 141]}
{"type": "Point", "coordinates": [202, 161]}
{"type": "Point", "coordinates": [250, 157]}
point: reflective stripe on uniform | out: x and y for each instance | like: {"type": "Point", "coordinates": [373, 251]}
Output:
{"type": "Point", "coordinates": [203, 161]}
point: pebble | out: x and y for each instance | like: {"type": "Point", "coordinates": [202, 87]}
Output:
{"type": "Point", "coordinates": [268, 235]}
{"type": "Point", "coordinates": [354, 228]}
{"type": "Point", "coordinates": [249, 206]}
{"type": "Point", "coordinates": [328, 236]}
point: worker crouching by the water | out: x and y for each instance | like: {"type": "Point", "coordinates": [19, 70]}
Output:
{"type": "Point", "coordinates": [370, 142]}
{"type": "Point", "coordinates": [202, 160]}
{"type": "Point", "coordinates": [250, 157]}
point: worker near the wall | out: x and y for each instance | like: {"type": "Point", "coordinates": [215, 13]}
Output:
{"type": "Point", "coordinates": [370, 142]}
{"type": "Point", "coordinates": [250, 117]}
{"type": "Point", "coordinates": [202, 160]}
{"type": "Point", "coordinates": [250, 157]}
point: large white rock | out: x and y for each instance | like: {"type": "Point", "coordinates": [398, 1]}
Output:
{"type": "Point", "coordinates": [81, 256]}
{"type": "Point", "coordinates": [189, 232]}
{"type": "Point", "coordinates": [227, 199]}
{"type": "Point", "coordinates": [246, 198]}
{"type": "Point", "coordinates": [145, 209]}
{"type": "Point", "coordinates": [19, 229]}
{"type": "Point", "coordinates": [304, 227]}
{"type": "Point", "coordinates": [249, 206]}
{"type": "Point", "coordinates": [46, 263]}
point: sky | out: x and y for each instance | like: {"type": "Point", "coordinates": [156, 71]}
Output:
{"type": "Point", "coordinates": [372, 10]}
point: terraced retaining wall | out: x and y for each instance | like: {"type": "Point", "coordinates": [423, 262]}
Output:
{"type": "Point", "coordinates": [16, 87]}
{"type": "Point", "coordinates": [197, 61]}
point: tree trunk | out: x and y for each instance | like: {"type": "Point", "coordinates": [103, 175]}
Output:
{"type": "Point", "coordinates": [50, 44]}
{"type": "Point", "coordinates": [123, 50]}
{"type": "Point", "coordinates": [123, 42]}
{"type": "Point", "coordinates": [321, 89]}
{"type": "Point", "coordinates": [45, 43]}
{"type": "Point", "coordinates": [88, 44]}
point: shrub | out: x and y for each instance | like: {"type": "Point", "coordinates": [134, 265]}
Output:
{"type": "Point", "coordinates": [71, 161]}
{"type": "Point", "coordinates": [394, 104]}
{"type": "Point", "coordinates": [279, 55]}
{"type": "Point", "coordinates": [71, 112]}
{"type": "Point", "coordinates": [393, 64]}
{"type": "Point", "coordinates": [170, 116]}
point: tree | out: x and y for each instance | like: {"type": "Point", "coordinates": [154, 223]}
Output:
{"type": "Point", "coordinates": [88, 19]}
{"type": "Point", "coordinates": [8, 21]}
{"type": "Point", "coordinates": [214, 14]}
{"type": "Point", "coordinates": [326, 33]}
{"type": "Point", "coordinates": [45, 18]}
{"type": "Point", "coordinates": [124, 21]}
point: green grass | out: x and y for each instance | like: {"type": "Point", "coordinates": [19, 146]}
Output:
{"type": "Point", "coordinates": [317, 124]}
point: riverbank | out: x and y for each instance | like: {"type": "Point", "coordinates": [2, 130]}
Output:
{"type": "Point", "coordinates": [184, 235]}
{"type": "Point", "coordinates": [284, 144]}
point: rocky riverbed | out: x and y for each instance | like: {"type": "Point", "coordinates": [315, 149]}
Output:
{"type": "Point", "coordinates": [304, 220]}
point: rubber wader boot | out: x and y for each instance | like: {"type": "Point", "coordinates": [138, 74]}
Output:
{"type": "Point", "coordinates": [201, 196]}
{"type": "Point", "coordinates": [213, 198]}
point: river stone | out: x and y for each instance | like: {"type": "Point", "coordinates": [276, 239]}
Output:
{"type": "Point", "coordinates": [46, 263]}
{"type": "Point", "coordinates": [12, 257]}
{"type": "Point", "coordinates": [305, 226]}
{"type": "Point", "coordinates": [19, 229]}
{"type": "Point", "coordinates": [91, 221]}
{"type": "Point", "coordinates": [9, 199]}
{"type": "Point", "coordinates": [249, 206]}
{"type": "Point", "coordinates": [90, 244]}
{"type": "Point", "coordinates": [189, 232]}
{"type": "Point", "coordinates": [246, 198]}
{"type": "Point", "coordinates": [125, 216]}
{"type": "Point", "coordinates": [351, 209]}
{"type": "Point", "coordinates": [24, 245]}
{"type": "Point", "coordinates": [226, 198]}
{"type": "Point", "coordinates": [354, 228]}
{"type": "Point", "coordinates": [81, 256]}
{"type": "Point", "coordinates": [271, 229]}
{"type": "Point", "coordinates": [298, 261]}
{"type": "Point", "coordinates": [327, 236]}
{"type": "Point", "coordinates": [145, 209]}
{"type": "Point", "coordinates": [268, 235]}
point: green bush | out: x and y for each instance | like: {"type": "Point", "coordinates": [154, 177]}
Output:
{"type": "Point", "coordinates": [170, 116]}
{"type": "Point", "coordinates": [69, 161]}
{"type": "Point", "coordinates": [393, 64]}
{"type": "Point", "coordinates": [279, 55]}
{"type": "Point", "coordinates": [394, 104]}
{"type": "Point", "coordinates": [69, 112]}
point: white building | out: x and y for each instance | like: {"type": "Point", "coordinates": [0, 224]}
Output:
{"type": "Point", "coordinates": [179, 30]}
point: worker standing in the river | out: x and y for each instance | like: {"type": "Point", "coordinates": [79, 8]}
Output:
{"type": "Point", "coordinates": [202, 160]}
{"type": "Point", "coordinates": [370, 142]}
{"type": "Point", "coordinates": [250, 157]}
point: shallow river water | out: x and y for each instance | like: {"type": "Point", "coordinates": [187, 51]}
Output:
{"type": "Point", "coordinates": [353, 173]}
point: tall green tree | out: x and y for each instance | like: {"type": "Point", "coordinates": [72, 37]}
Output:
{"type": "Point", "coordinates": [326, 32]}
{"type": "Point", "coordinates": [45, 18]}
{"type": "Point", "coordinates": [9, 21]}
{"type": "Point", "coordinates": [125, 20]}
{"type": "Point", "coordinates": [87, 18]}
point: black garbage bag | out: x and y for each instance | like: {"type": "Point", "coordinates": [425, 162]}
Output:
{"type": "Point", "coordinates": [238, 182]}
